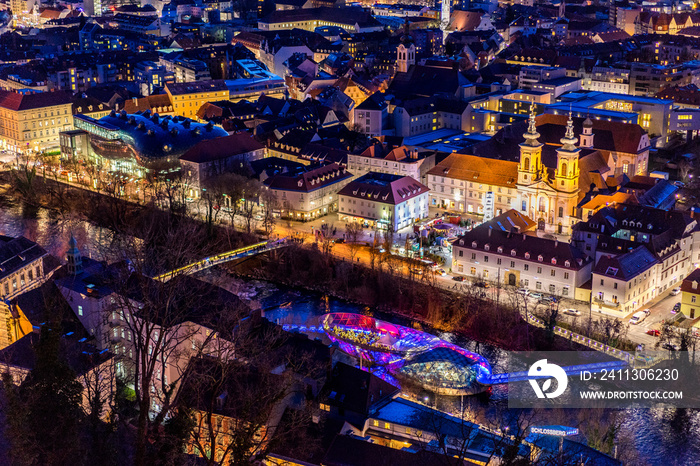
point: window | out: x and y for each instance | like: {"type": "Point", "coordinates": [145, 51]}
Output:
{"type": "Point", "coordinates": [80, 310]}
{"type": "Point", "coordinates": [461, 253]}
{"type": "Point", "coordinates": [552, 289]}
{"type": "Point", "coordinates": [566, 275]}
{"type": "Point", "coordinates": [375, 423]}
{"type": "Point", "coordinates": [526, 267]}
{"type": "Point", "coordinates": [565, 291]}
{"type": "Point", "coordinates": [498, 261]}
{"type": "Point", "coordinates": [472, 270]}
{"type": "Point", "coordinates": [539, 269]}
{"type": "Point", "coordinates": [486, 274]}
{"type": "Point", "coordinates": [473, 256]}
{"type": "Point", "coordinates": [387, 425]}
{"type": "Point", "coordinates": [693, 299]}
{"type": "Point", "coordinates": [615, 285]}
{"type": "Point", "coordinates": [486, 258]}
{"type": "Point", "coordinates": [553, 273]}
{"type": "Point", "coordinates": [539, 285]}
{"type": "Point", "coordinates": [601, 282]}
{"type": "Point", "coordinates": [325, 407]}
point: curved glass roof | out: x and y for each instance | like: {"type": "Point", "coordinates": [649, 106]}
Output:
{"type": "Point", "coordinates": [152, 137]}
{"type": "Point", "coordinates": [444, 369]}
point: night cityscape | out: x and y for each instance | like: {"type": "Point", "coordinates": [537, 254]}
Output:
{"type": "Point", "coordinates": [337, 233]}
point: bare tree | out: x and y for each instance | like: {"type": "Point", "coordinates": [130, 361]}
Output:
{"type": "Point", "coordinates": [241, 407]}
{"type": "Point", "coordinates": [352, 235]}
{"type": "Point", "coordinates": [159, 323]}
{"type": "Point", "coordinates": [269, 205]}
{"type": "Point", "coordinates": [251, 197]}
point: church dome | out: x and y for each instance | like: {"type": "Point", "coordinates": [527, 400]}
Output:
{"type": "Point", "coordinates": [587, 123]}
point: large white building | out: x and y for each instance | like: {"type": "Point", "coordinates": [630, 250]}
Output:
{"type": "Point", "coordinates": [640, 253]}
{"type": "Point", "coordinates": [402, 160]}
{"type": "Point", "coordinates": [496, 253]}
{"type": "Point", "coordinates": [310, 194]}
{"type": "Point", "coordinates": [383, 201]}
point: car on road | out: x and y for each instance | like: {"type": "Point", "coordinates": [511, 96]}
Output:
{"type": "Point", "coordinates": [676, 308]}
{"type": "Point", "coordinates": [572, 312]}
{"type": "Point", "coordinates": [340, 240]}
{"type": "Point", "coordinates": [653, 332]}
{"type": "Point", "coordinates": [440, 272]}
{"type": "Point", "coordinates": [548, 299]}
{"type": "Point", "coordinates": [671, 346]}
{"type": "Point", "coordinates": [458, 279]}
{"type": "Point", "coordinates": [481, 284]}
{"type": "Point", "coordinates": [524, 291]}
{"type": "Point", "coordinates": [675, 292]}
{"type": "Point", "coordinates": [638, 317]}
{"type": "Point", "coordinates": [647, 311]}
{"type": "Point", "coordinates": [536, 296]}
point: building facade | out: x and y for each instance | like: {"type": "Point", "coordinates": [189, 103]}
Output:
{"type": "Point", "coordinates": [383, 201]}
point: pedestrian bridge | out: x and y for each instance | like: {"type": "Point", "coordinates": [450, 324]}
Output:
{"type": "Point", "coordinates": [207, 262]}
{"type": "Point", "coordinates": [497, 379]}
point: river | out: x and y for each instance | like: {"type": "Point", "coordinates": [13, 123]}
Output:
{"type": "Point", "coordinates": [665, 436]}
{"type": "Point", "coordinates": [661, 436]}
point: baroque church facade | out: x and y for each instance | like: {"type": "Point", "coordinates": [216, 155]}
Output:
{"type": "Point", "coordinates": [549, 196]}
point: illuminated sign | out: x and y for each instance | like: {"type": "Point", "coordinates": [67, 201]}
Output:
{"type": "Point", "coordinates": [488, 206]}
{"type": "Point", "coordinates": [618, 106]}
{"type": "Point", "coordinates": [558, 431]}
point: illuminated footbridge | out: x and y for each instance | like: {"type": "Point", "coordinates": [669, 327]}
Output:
{"type": "Point", "coordinates": [207, 262]}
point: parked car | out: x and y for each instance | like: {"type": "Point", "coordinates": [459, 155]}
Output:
{"type": "Point", "coordinates": [653, 332]}
{"type": "Point", "coordinates": [524, 291]}
{"type": "Point", "coordinates": [647, 311]}
{"type": "Point", "coordinates": [481, 284]}
{"type": "Point", "coordinates": [458, 278]}
{"type": "Point", "coordinates": [440, 272]}
{"type": "Point", "coordinates": [572, 312]}
{"type": "Point", "coordinates": [536, 296]}
{"type": "Point", "coordinates": [548, 299]}
{"type": "Point", "coordinates": [675, 292]}
{"type": "Point", "coordinates": [676, 308]}
{"type": "Point", "coordinates": [340, 240]}
{"type": "Point", "coordinates": [671, 346]}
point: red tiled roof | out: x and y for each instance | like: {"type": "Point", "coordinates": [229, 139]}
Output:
{"type": "Point", "coordinates": [221, 148]}
{"type": "Point", "coordinates": [309, 180]}
{"type": "Point", "coordinates": [16, 101]}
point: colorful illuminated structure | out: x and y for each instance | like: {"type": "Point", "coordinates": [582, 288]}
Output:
{"type": "Point", "coordinates": [409, 354]}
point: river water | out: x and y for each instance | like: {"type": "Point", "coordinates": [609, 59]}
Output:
{"type": "Point", "coordinates": [661, 436]}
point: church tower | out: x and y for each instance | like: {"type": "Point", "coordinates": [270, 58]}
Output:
{"type": "Point", "coordinates": [566, 178]}
{"type": "Point", "coordinates": [75, 261]}
{"type": "Point", "coordinates": [530, 168]}
{"type": "Point", "coordinates": [587, 136]}
{"type": "Point", "coordinates": [406, 51]}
